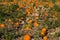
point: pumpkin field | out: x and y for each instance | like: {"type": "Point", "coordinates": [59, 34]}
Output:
{"type": "Point", "coordinates": [29, 19]}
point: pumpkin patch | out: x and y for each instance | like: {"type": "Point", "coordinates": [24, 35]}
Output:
{"type": "Point", "coordinates": [29, 19]}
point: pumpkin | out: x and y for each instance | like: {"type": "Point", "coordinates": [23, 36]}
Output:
{"type": "Point", "coordinates": [2, 25]}
{"type": "Point", "coordinates": [30, 21]}
{"type": "Point", "coordinates": [43, 29]}
{"type": "Point", "coordinates": [43, 32]}
{"type": "Point", "coordinates": [27, 28]}
{"type": "Point", "coordinates": [16, 24]}
{"type": "Point", "coordinates": [45, 38]}
{"type": "Point", "coordinates": [27, 37]}
{"type": "Point", "coordinates": [28, 13]}
{"type": "Point", "coordinates": [36, 24]}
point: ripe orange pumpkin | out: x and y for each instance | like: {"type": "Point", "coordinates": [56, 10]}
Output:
{"type": "Point", "coordinates": [36, 24]}
{"type": "Point", "coordinates": [30, 21]}
{"type": "Point", "coordinates": [2, 25]}
{"type": "Point", "coordinates": [27, 28]}
{"type": "Point", "coordinates": [43, 32]}
{"type": "Point", "coordinates": [28, 13]}
{"type": "Point", "coordinates": [45, 38]}
{"type": "Point", "coordinates": [27, 37]}
{"type": "Point", "coordinates": [43, 29]}
{"type": "Point", "coordinates": [16, 24]}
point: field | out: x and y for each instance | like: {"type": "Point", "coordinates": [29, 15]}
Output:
{"type": "Point", "coordinates": [29, 19]}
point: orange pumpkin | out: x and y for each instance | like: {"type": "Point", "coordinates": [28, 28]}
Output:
{"type": "Point", "coordinates": [44, 30]}
{"type": "Point", "coordinates": [2, 25]}
{"type": "Point", "coordinates": [16, 24]}
{"type": "Point", "coordinates": [28, 13]}
{"type": "Point", "coordinates": [30, 21]}
{"type": "Point", "coordinates": [45, 38]}
{"type": "Point", "coordinates": [36, 24]}
{"type": "Point", "coordinates": [27, 37]}
{"type": "Point", "coordinates": [42, 33]}
{"type": "Point", "coordinates": [27, 28]}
